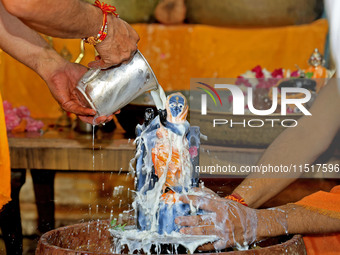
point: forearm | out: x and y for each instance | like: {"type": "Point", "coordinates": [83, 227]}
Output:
{"type": "Point", "coordinates": [299, 145]}
{"type": "Point", "coordinates": [294, 219]}
{"type": "Point", "coordinates": [288, 149]}
{"type": "Point", "coordinates": [62, 18]}
{"type": "Point", "coordinates": [256, 192]}
{"type": "Point", "coordinates": [26, 45]}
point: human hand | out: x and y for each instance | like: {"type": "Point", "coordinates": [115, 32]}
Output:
{"type": "Point", "coordinates": [118, 47]}
{"type": "Point", "coordinates": [206, 192]}
{"type": "Point", "coordinates": [62, 81]}
{"type": "Point", "coordinates": [234, 223]}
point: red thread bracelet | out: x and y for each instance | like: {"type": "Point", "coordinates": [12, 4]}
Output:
{"type": "Point", "coordinates": [237, 198]}
{"type": "Point", "coordinates": [106, 9]}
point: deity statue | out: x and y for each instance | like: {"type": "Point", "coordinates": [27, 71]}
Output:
{"type": "Point", "coordinates": [167, 151]}
{"type": "Point", "coordinates": [316, 70]}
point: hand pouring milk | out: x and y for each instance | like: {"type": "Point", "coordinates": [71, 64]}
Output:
{"type": "Point", "coordinates": [108, 90]}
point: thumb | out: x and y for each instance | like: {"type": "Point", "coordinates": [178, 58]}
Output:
{"type": "Point", "coordinates": [98, 64]}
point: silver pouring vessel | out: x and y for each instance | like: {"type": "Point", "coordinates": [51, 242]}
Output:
{"type": "Point", "coordinates": [109, 90]}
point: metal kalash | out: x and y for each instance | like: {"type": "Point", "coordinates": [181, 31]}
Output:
{"type": "Point", "coordinates": [109, 90]}
{"type": "Point", "coordinates": [167, 153]}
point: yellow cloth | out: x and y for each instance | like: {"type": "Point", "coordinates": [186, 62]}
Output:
{"type": "Point", "coordinates": [327, 203]}
{"type": "Point", "coordinates": [5, 172]}
{"type": "Point", "coordinates": [178, 53]}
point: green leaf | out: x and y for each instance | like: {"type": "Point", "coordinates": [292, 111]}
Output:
{"type": "Point", "coordinates": [120, 227]}
{"type": "Point", "coordinates": [113, 222]}
{"type": "Point", "coordinates": [309, 75]}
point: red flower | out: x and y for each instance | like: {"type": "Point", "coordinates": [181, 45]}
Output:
{"type": "Point", "coordinates": [13, 117]}
{"type": "Point", "coordinates": [295, 74]}
{"type": "Point", "coordinates": [33, 125]}
{"type": "Point", "coordinates": [258, 71]}
{"type": "Point", "coordinates": [7, 106]}
{"type": "Point", "coordinates": [22, 111]}
{"type": "Point", "coordinates": [277, 73]}
{"type": "Point", "coordinates": [12, 120]}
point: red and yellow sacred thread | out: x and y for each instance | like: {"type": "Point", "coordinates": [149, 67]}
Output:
{"type": "Point", "coordinates": [236, 198]}
{"type": "Point", "coordinates": [106, 9]}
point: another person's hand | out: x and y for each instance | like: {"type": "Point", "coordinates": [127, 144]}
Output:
{"type": "Point", "coordinates": [234, 223]}
{"type": "Point", "coordinates": [118, 47]}
{"type": "Point", "coordinates": [206, 192]}
{"type": "Point", "coordinates": [62, 79]}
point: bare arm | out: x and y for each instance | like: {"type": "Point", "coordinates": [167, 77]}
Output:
{"type": "Point", "coordinates": [299, 145]}
{"type": "Point", "coordinates": [77, 19]}
{"type": "Point", "coordinates": [61, 76]}
{"type": "Point", "coordinates": [24, 44]}
{"type": "Point", "coordinates": [62, 18]}
{"type": "Point", "coordinates": [236, 224]}
{"type": "Point", "coordinates": [299, 220]}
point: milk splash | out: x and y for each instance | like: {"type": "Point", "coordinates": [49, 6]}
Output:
{"type": "Point", "coordinates": [167, 149]}
{"type": "Point", "coordinates": [159, 97]}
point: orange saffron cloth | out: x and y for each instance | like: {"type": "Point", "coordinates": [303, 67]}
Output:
{"type": "Point", "coordinates": [327, 203]}
{"type": "Point", "coordinates": [5, 173]}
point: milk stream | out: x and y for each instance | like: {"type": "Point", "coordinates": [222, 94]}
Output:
{"type": "Point", "coordinates": [159, 97]}
{"type": "Point", "coordinates": [93, 128]}
{"type": "Point", "coordinates": [148, 200]}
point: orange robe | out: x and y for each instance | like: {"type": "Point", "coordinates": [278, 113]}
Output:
{"type": "Point", "coordinates": [327, 203]}
{"type": "Point", "coordinates": [5, 173]}
{"type": "Point", "coordinates": [160, 158]}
